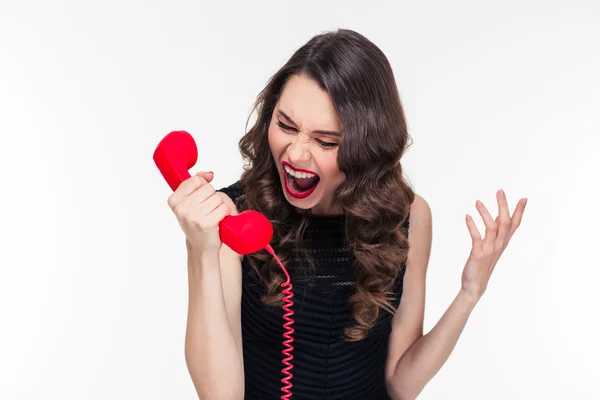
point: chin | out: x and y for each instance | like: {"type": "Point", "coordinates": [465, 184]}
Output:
{"type": "Point", "coordinates": [304, 204]}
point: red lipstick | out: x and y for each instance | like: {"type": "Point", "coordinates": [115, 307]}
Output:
{"type": "Point", "coordinates": [293, 193]}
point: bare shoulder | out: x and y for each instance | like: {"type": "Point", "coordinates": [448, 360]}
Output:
{"type": "Point", "coordinates": [420, 215]}
{"type": "Point", "coordinates": [409, 318]}
{"type": "Point", "coordinates": [419, 231]}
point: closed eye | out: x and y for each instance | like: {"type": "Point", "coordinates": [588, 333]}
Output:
{"type": "Point", "coordinates": [326, 144]}
{"type": "Point", "coordinates": [290, 129]}
{"type": "Point", "coordinates": [285, 127]}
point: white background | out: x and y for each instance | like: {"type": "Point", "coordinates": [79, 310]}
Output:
{"type": "Point", "coordinates": [93, 277]}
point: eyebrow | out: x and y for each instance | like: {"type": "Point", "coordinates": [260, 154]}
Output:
{"type": "Point", "coordinates": [328, 133]}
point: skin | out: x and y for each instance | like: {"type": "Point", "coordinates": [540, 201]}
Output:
{"type": "Point", "coordinates": [413, 357]}
{"type": "Point", "coordinates": [310, 109]}
{"type": "Point", "coordinates": [214, 339]}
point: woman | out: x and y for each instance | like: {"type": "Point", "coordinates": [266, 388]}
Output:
{"type": "Point", "coordinates": [323, 164]}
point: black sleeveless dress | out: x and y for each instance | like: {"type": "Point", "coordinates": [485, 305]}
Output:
{"type": "Point", "coordinates": [326, 366]}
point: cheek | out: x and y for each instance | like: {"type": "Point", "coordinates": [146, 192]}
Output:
{"type": "Point", "coordinates": [270, 136]}
{"type": "Point", "coordinates": [330, 168]}
{"type": "Point", "coordinates": [275, 142]}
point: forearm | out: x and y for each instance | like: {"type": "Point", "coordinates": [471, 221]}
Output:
{"type": "Point", "coordinates": [419, 364]}
{"type": "Point", "coordinates": [211, 354]}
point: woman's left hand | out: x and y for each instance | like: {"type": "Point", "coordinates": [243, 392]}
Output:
{"type": "Point", "coordinates": [486, 252]}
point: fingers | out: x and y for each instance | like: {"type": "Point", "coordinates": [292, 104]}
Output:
{"type": "Point", "coordinates": [503, 221]}
{"type": "Point", "coordinates": [186, 188]}
{"type": "Point", "coordinates": [218, 214]}
{"type": "Point", "coordinates": [189, 186]}
{"type": "Point", "coordinates": [475, 235]}
{"type": "Point", "coordinates": [500, 230]}
{"type": "Point", "coordinates": [202, 194]}
{"type": "Point", "coordinates": [517, 216]}
{"type": "Point", "coordinates": [210, 212]}
{"type": "Point", "coordinates": [208, 176]}
{"type": "Point", "coordinates": [491, 229]}
{"type": "Point", "coordinates": [211, 202]}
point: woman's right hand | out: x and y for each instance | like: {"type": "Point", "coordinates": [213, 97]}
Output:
{"type": "Point", "coordinates": [199, 209]}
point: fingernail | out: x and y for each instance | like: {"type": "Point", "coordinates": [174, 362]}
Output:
{"type": "Point", "coordinates": [210, 172]}
{"type": "Point", "coordinates": [479, 204]}
{"type": "Point", "coordinates": [524, 201]}
{"type": "Point", "coordinates": [501, 193]}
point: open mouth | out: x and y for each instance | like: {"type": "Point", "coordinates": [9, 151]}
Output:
{"type": "Point", "coordinates": [299, 183]}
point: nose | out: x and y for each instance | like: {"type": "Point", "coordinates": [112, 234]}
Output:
{"type": "Point", "coordinates": [298, 151]}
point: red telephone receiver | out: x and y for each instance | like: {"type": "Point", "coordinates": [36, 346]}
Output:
{"type": "Point", "coordinates": [245, 233]}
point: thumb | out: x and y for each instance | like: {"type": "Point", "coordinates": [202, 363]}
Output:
{"type": "Point", "coordinates": [206, 175]}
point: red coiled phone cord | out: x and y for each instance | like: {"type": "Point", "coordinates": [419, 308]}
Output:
{"type": "Point", "coordinates": [288, 303]}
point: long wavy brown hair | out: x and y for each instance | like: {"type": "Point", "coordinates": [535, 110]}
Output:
{"type": "Point", "coordinates": [375, 196]}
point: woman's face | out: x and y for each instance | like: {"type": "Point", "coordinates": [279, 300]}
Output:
{"type": "Point", "coordinates": [303, 135]}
